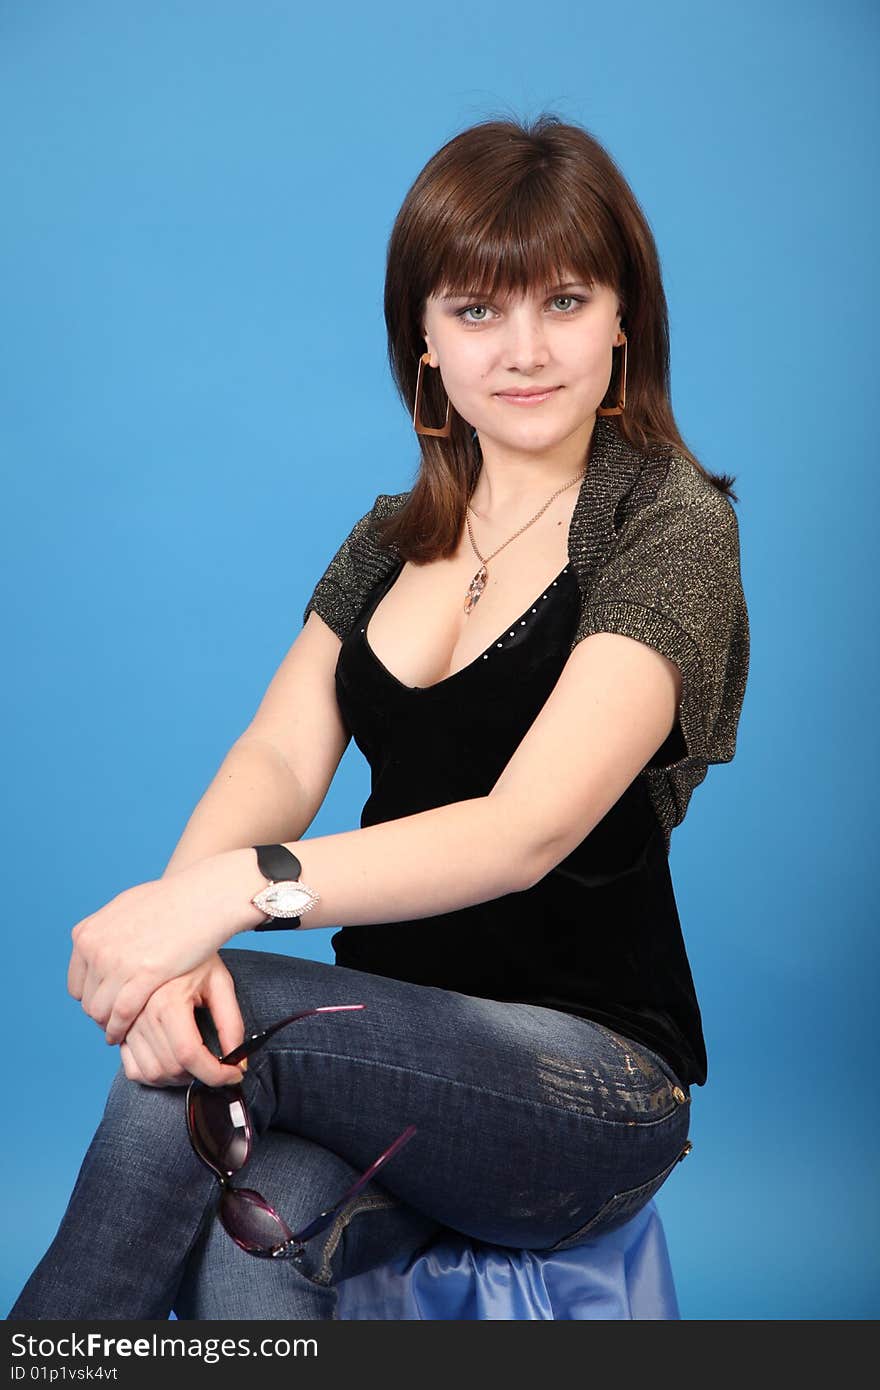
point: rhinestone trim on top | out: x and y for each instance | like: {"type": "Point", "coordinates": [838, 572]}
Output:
{"type": "Point", "coordinates": [522, 621]}
{"type": "Point", "coordinates": [512, 633]}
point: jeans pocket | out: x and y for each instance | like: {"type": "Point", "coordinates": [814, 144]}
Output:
{"type": "Point", "coordinates": [619, 1208]}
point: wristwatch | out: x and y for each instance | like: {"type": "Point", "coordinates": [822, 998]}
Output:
{"type": "Point", "coordinates": [285, 898]}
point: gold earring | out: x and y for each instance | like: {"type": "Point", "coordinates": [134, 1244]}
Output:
{"type": "Point", "coordinates": [621, 389]}
{"type": "Point", "coordinates": [446, 428]}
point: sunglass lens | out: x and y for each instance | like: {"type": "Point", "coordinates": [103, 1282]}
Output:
{"type": "Point", "coordinates": [219, 1126]}
{"type": "Point", "coordinates": [250, 1221]}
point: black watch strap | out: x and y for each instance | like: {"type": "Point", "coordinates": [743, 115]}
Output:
{"type": "Point", "coordinates": [278, 864]}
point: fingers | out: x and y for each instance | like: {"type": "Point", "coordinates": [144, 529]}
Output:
{"type": "Point", "coordinates": [219, 995]}
{"type": "Point", "coordinates": [76, 973]}
{"type": "Point", "coordinates": [154, 1054]}
{"type": "Point", "coordinates": [93, 981]}
{"type": "Point", "coordinates": [186, 1043]}
{"type": "Point", "coordinates": [128, 1003]}
{"type": "Point", "coordinates": [163, 1046]}
{"type": "Point", "coordinates": [129, 1063]}
{"type": "Point", "coordinates": [146, 1061]}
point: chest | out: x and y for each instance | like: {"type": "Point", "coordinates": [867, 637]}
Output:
{"type": "Point", "coordinates": [417, 627]}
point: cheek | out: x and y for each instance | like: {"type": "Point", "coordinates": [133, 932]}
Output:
{"type": "Point", "coordinates": [591, 362]}
{"type": "Point", "coordinates": [466, 370]}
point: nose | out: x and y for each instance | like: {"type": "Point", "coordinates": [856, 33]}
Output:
{"type": "Point", "coordinates": [524, 343]}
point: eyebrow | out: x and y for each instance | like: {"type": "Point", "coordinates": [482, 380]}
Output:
{"type": "Point", "coordinates": [476, 293]}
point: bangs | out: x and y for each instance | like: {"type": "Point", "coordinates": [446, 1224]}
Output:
{"type": "Point", "coordinates": [534, 242]}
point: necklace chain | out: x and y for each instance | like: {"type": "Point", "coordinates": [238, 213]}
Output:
{"type": "Point", "coordinates": [478, 583]}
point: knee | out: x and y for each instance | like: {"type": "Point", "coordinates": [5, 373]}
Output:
{"type": "Point", "coordinates": [269, 985]}
{"type": "Point", "coordinates": [134, 1103]}
{"type": "Point", "coordinates": [146, 1124]}
{"type": "Point", "coordinates": [256, 976]}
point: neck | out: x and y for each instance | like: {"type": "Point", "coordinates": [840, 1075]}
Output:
{"type": "Point", "coordinates": [510, 482]}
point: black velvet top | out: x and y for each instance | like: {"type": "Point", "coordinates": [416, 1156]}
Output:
{"type": "Point", "coordinates": [599, 936]}
{"type": "Point", "coordinates": [654, 547]}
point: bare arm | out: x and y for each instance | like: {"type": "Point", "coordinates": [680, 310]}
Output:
{"type": "Point", "coordinates": [273, 781]}
{"type": "Point", "coordinates": [255, 799]}
{"type": "Point", "coordinates": [417, 866]}
{"type": "Point", "coordinates": [611, 709]}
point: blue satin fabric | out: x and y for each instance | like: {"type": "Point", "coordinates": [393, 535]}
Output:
{"type": "Point", "coordinates": [620, 1275]}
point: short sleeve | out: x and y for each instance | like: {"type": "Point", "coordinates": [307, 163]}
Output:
{"type": "Point", "coordinates": [359, 564]}
{"type": "Point", "coordinates": [673, 581]}
{"type": "Point", "coordinates": [335, 596]}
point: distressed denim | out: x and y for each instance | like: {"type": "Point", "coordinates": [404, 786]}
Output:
{"type": "Point", "coordinates": [535, 1128]}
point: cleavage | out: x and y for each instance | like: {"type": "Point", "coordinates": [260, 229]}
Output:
{"type": "Point", "coordinates": [404, 618]}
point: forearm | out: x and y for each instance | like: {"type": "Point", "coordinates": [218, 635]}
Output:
{"type": "Point", "coordinates": [255, 799]}
{"type": "Point", "coordinates": [437, 861]}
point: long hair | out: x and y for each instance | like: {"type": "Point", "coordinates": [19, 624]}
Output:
{"type": "Point", "coordinates": [501, 208]}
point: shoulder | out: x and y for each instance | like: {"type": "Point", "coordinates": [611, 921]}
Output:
{"type": "Point", "coordinates": [361, 537]}
{"type": "Point", "coordinates": [388, 502]}
{"type": "Point", "coordinates": [385, 505]}
{"type": "Point", "coordinates": [669, 573]}
{"type": "Point", "coordinates": [687, 487]}
{"type": "Point", "coordinates": [367, 560]}
{"type": "Point", "coordinates": [671, 485]}
{"type": "Point", "coordinates": [636, 509]}
{"type": "Point", "coordinates": [357, 565]}
{"type": "Point", "coordinates": [675, 512]}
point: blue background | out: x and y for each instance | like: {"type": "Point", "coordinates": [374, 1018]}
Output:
{"type": "Point", "coordinates": [195, 407]}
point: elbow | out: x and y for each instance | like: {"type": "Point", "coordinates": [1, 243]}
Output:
{"type": "Point", "coordinates": [541, 861]}
{"type": "Point", "coordinates": [530, 853]}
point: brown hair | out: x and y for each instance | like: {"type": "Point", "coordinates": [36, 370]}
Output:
{"type": "Point", "coordinates": [506, 206]}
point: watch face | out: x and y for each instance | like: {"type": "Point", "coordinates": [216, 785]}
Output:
{"type": "Point", "coordinates": [285, 899]}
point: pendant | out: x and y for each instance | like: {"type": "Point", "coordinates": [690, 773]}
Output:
{"type": "Point", "coordinates": [475, 589]}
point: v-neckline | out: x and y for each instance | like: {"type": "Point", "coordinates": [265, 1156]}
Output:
{"type": "Point", "coordinates": [463, 670]}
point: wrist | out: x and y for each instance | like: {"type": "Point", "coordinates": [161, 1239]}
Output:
{"type": "Point", "coordinates": [240, 880]}
{"type": "Point", "coordinates": [246, 880]}
{"type": "Point", "coordinates": [285, 898]}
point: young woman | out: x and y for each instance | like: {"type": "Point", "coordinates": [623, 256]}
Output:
{"type": "Point", "coordinates": [540, 648]}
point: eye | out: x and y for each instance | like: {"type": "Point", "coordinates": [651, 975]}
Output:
{"type": "Point", "coordinates": [460, 313]}
{"type": "Point", "coordinates": [575, 302]}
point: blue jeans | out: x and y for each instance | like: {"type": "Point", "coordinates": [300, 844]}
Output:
{"type": "Point", "coordinates": [535, 1128]}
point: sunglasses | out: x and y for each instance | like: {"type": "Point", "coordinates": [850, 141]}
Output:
{"type": "Point", "coordinates": [221, 1134]}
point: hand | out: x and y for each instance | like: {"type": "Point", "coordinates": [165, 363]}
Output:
{"type": "Point", "coordinates": [163, 1047]}
{"type": "Point", "coordinates": [152, 933]}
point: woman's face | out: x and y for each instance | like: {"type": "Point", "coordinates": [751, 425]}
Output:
{"type": "Point", "coordinates": [560, 337]}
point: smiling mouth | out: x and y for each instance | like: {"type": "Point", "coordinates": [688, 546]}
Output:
{"type": "Point", "coordinates": [525, 397]}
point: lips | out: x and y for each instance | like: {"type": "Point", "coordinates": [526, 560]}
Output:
{"type": "Point", "coordinates": [533, 391]}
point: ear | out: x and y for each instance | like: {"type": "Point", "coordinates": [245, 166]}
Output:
{"type": "Point", "coordinates": [426, 335]}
